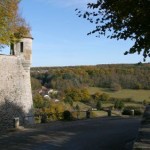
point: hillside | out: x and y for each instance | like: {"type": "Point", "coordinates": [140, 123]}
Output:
{"type": "Point", "coordinates": [123, 76]}
{"type": "Point", "coordinates": [86, 87]}
{"type": "Point", "coordinates": [135, 95]}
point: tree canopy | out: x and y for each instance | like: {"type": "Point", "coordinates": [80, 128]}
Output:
{"type": "Point", "coordinates": [115, 77]}
{"type": "Point", "coordinates": [122, 19]}
{"type": "Point", "coordinates": [12, 25]}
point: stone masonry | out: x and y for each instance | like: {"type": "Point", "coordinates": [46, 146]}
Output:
{"type": "Point", "coordinates": [15, 85]}
{"type": "Point", "coordinates": [143, 140]}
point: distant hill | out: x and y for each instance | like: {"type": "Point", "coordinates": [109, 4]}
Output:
{"type": "Point", "coordinates": [123, 76]}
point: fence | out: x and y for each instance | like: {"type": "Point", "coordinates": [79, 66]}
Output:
{"type": "Point", "coordinates": [75, 115]}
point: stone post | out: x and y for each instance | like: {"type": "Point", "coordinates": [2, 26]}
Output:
{"type": "Point", "coordinates": [88, 114]}
{"type": "Point", "coordinates": [109, 113]}
{"type": "Point", "coordinates": [132, 112]}
{"type": "Point", "coordinates": [16, 122]}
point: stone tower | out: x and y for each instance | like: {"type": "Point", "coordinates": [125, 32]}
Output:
{"type": "Point", "coordinates": [23, 50]}
{"type": "Point", "coordinates": [15, 84]}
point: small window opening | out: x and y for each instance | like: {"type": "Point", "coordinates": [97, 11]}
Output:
{"type": "Point", "coordinates": [21, 47]}
{"type": "Point", "coordinates": [12, 49]}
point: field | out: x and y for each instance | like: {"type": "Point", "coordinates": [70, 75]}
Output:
{"type": "Point", "coordinates": [136, 95]}
{"type": "Point", "coordinates": [82, 106]}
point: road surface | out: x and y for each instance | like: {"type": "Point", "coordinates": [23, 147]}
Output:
{"type": "Point", "coordinates": [113, 133]}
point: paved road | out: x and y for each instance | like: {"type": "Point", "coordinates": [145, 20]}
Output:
{"type": "Point", "coordinates": [94, 134]}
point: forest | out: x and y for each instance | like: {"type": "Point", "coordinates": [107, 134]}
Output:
{"type": "Point", "coordinates": [116, 86]}
{"type": "Point", "coordinates": [115, 76]}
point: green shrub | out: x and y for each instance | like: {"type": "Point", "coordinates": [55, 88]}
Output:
{"type": "Point", "coordinates": [115, 86]}
{"type": "Point", "coordinates": [138, 112]}
{"type": "Point", "coordinates": [104, 97]}
{"type": "Point", "coordinates": [77, 107]}
{"type": "Point", "coordinates": [38, 101]}
{"type": "Point", "coordinates": [127, 111]}
{"type": "Point", "coordinates": [99, 105]}
{"type": "Point", "coordinates": [128, 100]}
{"type": "Point", "coordinates": [69, 100]}
{"type": "Point", "coordinates": [133, 107]}
{"type": "Point", "coordinates": [66, 115]}
{"type": "Point", "coordinates": [145, 102]}
{"type": "Point", "coordinates": [119, 104]}
{"type": "Point", "coordinates": [44, 118]}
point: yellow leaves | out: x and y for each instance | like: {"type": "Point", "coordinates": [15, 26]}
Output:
{"type": "Point", "coordinates": [12, 25]}
{"type": "Point", "coordinates": [78, 94]}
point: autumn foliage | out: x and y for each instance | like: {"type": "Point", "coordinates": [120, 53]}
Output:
{"type": "Point", "coordinates": [12, 25]}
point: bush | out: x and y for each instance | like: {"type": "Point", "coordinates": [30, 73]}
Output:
{"type": "Point", "coordinates": [104, 97]}
{"type": "Point", "coordinates": [118, 104]}
{"type": "Point", "coordinates": [69, 100]}
{"type": "Point", "coordinates": [145, 102]}
{"type": "Point", "coordinates": [77, 107]}
{"type": "Point", "coordinates": [115, 87]}
{"type": "Point", "coordinates": [44, 118]}
{"type": "Point", "coordinates": [66, 115]}
{"type": "Point", "coordinates": [99, 105]}
{"type": "Point", "coordinates": [38, 101]}
{"type": "Point", "coordinates": [128, 100]}
{"type": "Point", "coordinates": [127, 111]}
{"type": "Point", "coordinates": [138, 112]}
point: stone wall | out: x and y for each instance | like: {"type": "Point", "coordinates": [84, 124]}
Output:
{"type": "Point", "coordinates": [143, 140]}
{"type": "Point", "coordinates": [15, 92]}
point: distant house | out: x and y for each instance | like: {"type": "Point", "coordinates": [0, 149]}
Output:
{"type": "Point", "coordinates": [52, 91]}
{"type": "Point", "coordinates": [47, 97]}
{"type": "Point", "coordinates": [48, 93]}
{"type": "Point", "coordinates": [56, 100]}
{"type": "Point", "coordinates": [43, 91]}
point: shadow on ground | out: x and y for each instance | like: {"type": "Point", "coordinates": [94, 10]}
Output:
{"type": "Point", "coordinates": [8, 111]}
{"type": "Point", "coordinates": [112, 133]}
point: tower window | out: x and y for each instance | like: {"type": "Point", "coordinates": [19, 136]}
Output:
{"type": "Point", "coordinates": [12, 46]}
{"type": "Point", "coordinates": [21, 47]}
{"type": "Point", "coordinates": [12, 49]}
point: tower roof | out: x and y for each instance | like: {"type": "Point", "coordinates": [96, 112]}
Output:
{"type": "Point", "coordinates": [28, 36]}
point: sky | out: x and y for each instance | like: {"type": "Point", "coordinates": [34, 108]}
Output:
{"type": "Point", "coordinates": [60, 36]}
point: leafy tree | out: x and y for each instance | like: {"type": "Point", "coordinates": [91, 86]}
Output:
{"type": "Point", "coordinates": [77, 94]}
{"type": "Point", "coordinates": [118, 104]}
{"type": "Point", "coordinates": [38, 101]}
{"type": "Point", "coordinates": [36, 85]}
{"type": "Point", "coordinates": [85, 96]}
{"type": "Point", "coordinates": [73, 93]}
{"type": "Point", "coordinates": [69, 100]}
{"type": "Point", "coordinates": [145, 102]}
{"type": "Point", "coordinates": [122, 19]}
{"type": "Point", "coordinates": [77, 107]}
{"type": "Point", "coordinates": [137, 85]}
{"type": "Point", "coordinates": [46, 103]}
{"type": "Point", "coordinates": [67, 115]}
{"type": "Point", "coordinates": [127, 76]}
{"type": "Point", "coordinates": [12, 25]}
{"type": "Point", "coordinates": [96, 95]}
{"type": "Point", "coordinates": [99, 105]}
{"type": "Point", "coordinates": [104, 97]}
{"type": "Point", "coordinates": [115, 87]}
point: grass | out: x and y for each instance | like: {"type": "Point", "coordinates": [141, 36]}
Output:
{"type": "Point", "coordinates": [98, 114]}
{"type": "Point", "coordinates": [82, 106]}
{"type": "Point", "coordinates": [136, 95]}
{"type": "Point", "coordinates": [93, 114]}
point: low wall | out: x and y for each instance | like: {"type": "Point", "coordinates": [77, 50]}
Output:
{"type": "Point", "coordinates": [15, 91]}
{"type": "Point", "coordinates": [143, 140]}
